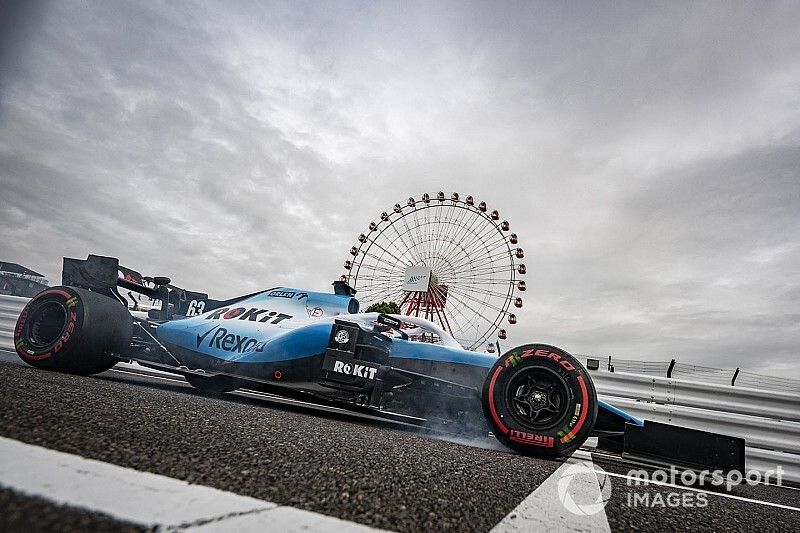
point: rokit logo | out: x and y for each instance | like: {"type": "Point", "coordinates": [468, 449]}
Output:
{"type": "Point", "coordinates": [253, 315]}
{"type": "Point", "coordinates": [353, 369]}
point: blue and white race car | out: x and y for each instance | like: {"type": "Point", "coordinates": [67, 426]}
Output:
{"type": "Point", "coordinates": [536, 399]}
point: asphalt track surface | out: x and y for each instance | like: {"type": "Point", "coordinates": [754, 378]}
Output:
{"type": "Point", "coordinates": [380, 474]}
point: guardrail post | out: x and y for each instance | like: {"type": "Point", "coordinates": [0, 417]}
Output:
{"type": "Point", "coordinates": [670, 368]}
{"type": "Point", "coordinates": [733, 379]}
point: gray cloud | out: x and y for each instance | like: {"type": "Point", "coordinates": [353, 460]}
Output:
{"type": "Point", "coordinates": [647, 155]}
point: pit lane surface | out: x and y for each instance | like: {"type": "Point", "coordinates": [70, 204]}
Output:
{"type": "Point", "coordinates": [347, 466]}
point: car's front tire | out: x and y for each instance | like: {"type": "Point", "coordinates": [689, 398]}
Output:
{"type": "Point", "coordinates": [539, 400]}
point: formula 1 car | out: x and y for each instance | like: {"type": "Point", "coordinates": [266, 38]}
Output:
{"type": "Point", "coordinates": [536, 399]}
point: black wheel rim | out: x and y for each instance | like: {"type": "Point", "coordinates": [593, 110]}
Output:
{"type": "Point", "coordinates": [537, 398]}
{"type": "Point", "coordinates": [46, 324]}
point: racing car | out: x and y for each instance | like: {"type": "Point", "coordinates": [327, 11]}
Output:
{"type": "Point", "coordinates": [536, 399]}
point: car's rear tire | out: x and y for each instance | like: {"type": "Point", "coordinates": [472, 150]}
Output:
{"type": "Point", "coordinates": [70, 329]}
{"type": "Point", "coordinates": [540, 401]}
{"type": "Point", "coordinates": [213, 384]}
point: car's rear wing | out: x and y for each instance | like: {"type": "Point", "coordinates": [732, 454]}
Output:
{"type": "Point", "coordinates": [104, 274]}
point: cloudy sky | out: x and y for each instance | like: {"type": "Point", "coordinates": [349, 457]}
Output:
{"type": "Point", "coordinates": [647, 154]}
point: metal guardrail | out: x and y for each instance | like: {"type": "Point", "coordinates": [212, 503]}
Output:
{"type": "Point", "coordinates": [759, 432]}
{"type": "Point", "coordinates": [769, 443]}
{"type": "Point", "coordinates": [705, 374]}
{"type": "Point", "coordinates": [764, 460]}
{"type": "Point", "coordinates": [10, 308]}
{"type": "Point", "coordinates": [768, 421]}
{"type": "Point", "coordinates": [714, 397]}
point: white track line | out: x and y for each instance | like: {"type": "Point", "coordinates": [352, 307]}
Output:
{"type": "Point", "coordinates": [147, 499]}
{"type": "Point", "coordinates": [543, 509]}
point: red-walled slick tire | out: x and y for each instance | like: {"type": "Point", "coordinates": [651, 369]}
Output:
{"type": "Point", "coordinates": [540, 401]}
{"type": "Point", "coordinates": [70, 329]}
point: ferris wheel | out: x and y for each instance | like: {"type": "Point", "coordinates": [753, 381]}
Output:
{"type": "Point", "coordinates": [444, 258]}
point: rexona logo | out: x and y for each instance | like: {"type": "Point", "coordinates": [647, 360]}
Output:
{"type": "Point", "coordinates": [353, 369]}
{"type": "Point", "coordinates": [230, 342]}
{"type": "Point", "coordinates": [253, 314]}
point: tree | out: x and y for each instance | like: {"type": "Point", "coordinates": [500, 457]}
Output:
{"type": "Point", "coordinates": [389, 308]}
